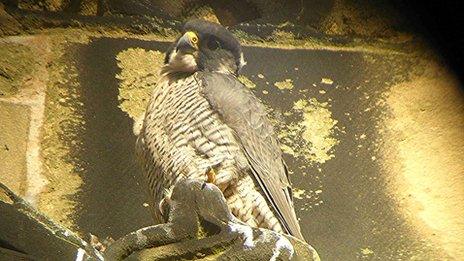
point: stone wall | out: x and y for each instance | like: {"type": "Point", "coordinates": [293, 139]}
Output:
{"type": "Point", "coordinates": [351, 90]}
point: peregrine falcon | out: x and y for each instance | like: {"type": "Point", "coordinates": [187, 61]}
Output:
{"type": "Point", "coordinates": [202, 123]}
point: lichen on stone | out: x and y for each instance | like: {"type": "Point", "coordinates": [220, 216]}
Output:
{"type": "Point", "coordinates": [327, 81]}
{"type": "Point", "coordinates": [139, 73]}
{"type": "Point", "coordinates": [16, 63]}
{"type": "Point", "coordinates": [298, 193]}
{"type": "Point", "coordinates": [63, 124]}
{"type": "Point", "coordinates": [286, 84]}
{"type": "Point", "coordinates": [312, 137]}
{"type": "Point", "coordinates": [247, 82]}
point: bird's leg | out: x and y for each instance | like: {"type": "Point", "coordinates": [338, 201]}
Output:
{"type": "Point", "coordinates": [219, 176]}
{"type": "Point", "coordinates": [165, 206]}
{"type": "Point", "coordinates": [211, 175]}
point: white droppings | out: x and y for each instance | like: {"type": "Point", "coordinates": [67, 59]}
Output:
{"type": "Point", "coordinates": [282, 244]}
{"type": "Point", "coordinates": [141, 238]}
{"type": "Point", "coordinates": [80, 254]}
{"type": "Point", "coordinates": [267, 237]}
{"type": "Point", "coordinates": [143, 229]}
{"type": "Point", "coordinates": [242, 62]}
{"type": "Point", "coordinates": [168, 231]}
{"type": "Point", "coordinates": [246, 232]}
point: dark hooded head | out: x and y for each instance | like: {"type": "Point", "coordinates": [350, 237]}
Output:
{"type": "Point", "coordinates": [205, 46]}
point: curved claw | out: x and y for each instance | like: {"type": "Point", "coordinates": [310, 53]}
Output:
{"type": "Point", "coordinates": [164, 207]}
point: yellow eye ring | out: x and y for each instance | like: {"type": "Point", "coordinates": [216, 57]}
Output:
{"type": "Point", "coordinates": [194, 39]}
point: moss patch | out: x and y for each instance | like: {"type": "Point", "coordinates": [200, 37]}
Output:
{"type": "Point", "coordinates": [140, 70]}
{"type": "Point", "coordinates": [63, 123]}
{"type": "Point", "coordinates": [246, 81]}
{"type": "Point", "coordinates": [16, 63]}
{"type": "Point", "coordinates": [286, 84]}
{"type": "Point", "coordinates": [312, 137]}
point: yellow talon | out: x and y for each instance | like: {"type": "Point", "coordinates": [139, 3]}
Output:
{"type": "Point", "coordinates": [211, 176]}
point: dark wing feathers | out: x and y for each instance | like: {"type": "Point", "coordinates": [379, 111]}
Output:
{"type": "Point", "coordinates": [247, 117]}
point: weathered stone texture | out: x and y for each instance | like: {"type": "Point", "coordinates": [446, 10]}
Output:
{"type": "Point", "coordinates": [14, 130]}
{"type": "Point", "coordinates": [369, 119]}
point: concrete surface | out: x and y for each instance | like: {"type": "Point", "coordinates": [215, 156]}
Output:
{"type": "Point", "coordinates": [13, 134]}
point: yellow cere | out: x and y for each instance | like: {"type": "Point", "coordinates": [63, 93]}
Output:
{"type": "Point", "coordinates": [192, 37]}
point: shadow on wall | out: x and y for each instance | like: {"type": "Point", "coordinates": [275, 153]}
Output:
{"type": "Point", "coordinates": [111, 200]}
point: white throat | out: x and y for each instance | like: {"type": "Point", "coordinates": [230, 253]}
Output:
{"type": "Point", "coordinates": [181, 62]}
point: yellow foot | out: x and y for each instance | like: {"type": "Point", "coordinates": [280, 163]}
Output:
{"type": "Point", "coordinates": [211, 176]}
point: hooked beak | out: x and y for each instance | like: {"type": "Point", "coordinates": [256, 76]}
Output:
{"type": "Point", "coordinates": [188, 43]}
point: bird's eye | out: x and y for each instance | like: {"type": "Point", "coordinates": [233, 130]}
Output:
{"type": "Point", "coordinates": [194, 39]}
{"type": "Point", "coordinates": [213, 44]}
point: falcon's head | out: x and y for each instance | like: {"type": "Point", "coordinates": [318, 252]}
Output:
{"type": "Point", "coordinates": [205, 46]}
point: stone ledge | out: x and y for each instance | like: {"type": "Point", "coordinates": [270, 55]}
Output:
{"type": "Point", "coordinates": [199, 226]}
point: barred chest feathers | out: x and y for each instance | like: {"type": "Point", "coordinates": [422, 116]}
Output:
{"type": "Point", "coordinates": [187, 136]}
